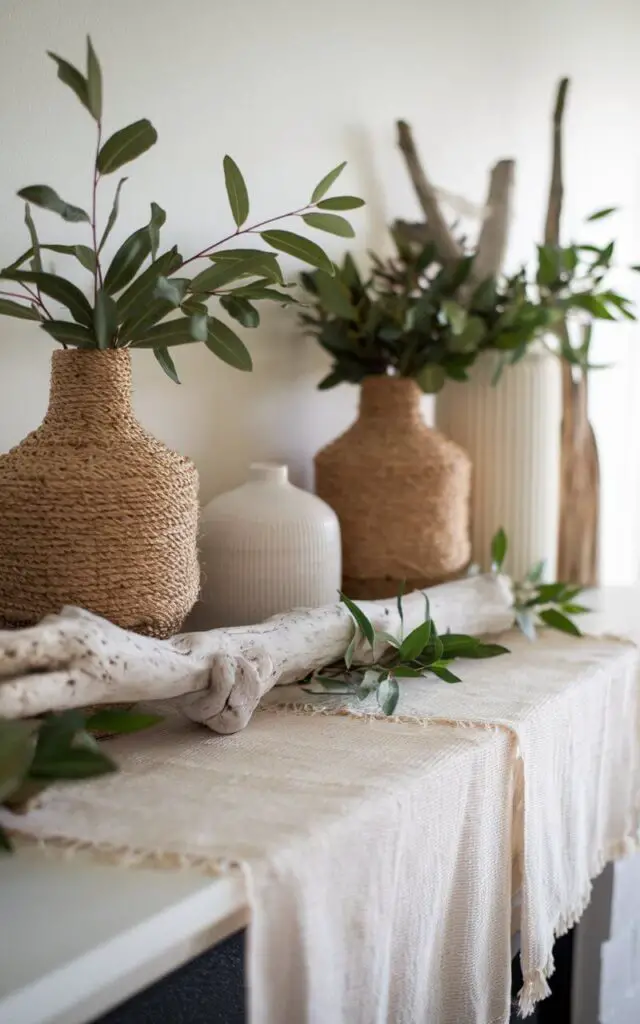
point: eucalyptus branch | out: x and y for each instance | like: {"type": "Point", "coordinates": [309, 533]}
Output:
{"type": "Point", "coordinates": [239, 232]}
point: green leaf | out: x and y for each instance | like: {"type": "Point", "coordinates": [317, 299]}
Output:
{"type": "Point", "coordinates": [158, 217]}
{"type": "Point", "coordinates": [599, 214]}
{"type": "Point", "coordinates": [575, 609]}
{"type": "Point", "coordinates": [547, 592]}
{"type": "Point", "coordinates": [387, 695]}
{"type": "Point", "coordinates": [113, 215]}
{"type": "Point", "coordinates": [57, 288]}
{"type": "Point", "coordinates": [69, 334]}
{"type": "Point", "coordinates": [264, 294]}
{"type": "Point", "coordinates": [335, 296]}
{"type": "Point", "coordinates": [241, 310]}
{"type": "Point", "coordinates": [325, 184]}
{"type": "Point", "coordinates": [300, 247]}
{"type": "Point", "coordinates": [458, 645]}
{"type": "Point", "coordinates": [134, 302]}
{"type": "Point", "coordinates": [133, 252]}
{"type": "Point", "coordinates": [330, 222]}
{"type": "Point", "coordinates": [171, 332]}
{"type": "Point", "coordinates": [263, 262]}
{"type": "Point", "coordinates": [361, 619]}
{"type": "Point", "coordinates": [126, 145]}
{"type": "Point", "coordinates": [225, 344]}
{"type": "Point", "coordinates": [48, 199]}
{"type": "Point", "coordinates": [526, 621]}
{"type": "Point", "coordinates": [455, 314]}
{"type": "Point", "coordinates": [469, 337]}
{"type": "Point", "coordinates": [35, 245]}
{"type": "Point", "coordinates": [440, 670]}
{"type": "Point", "coordinates": [85, 256]}
{"type": "Point", "coordinates": [341, 203]}
{"type": "Point", "coordinates": [199, 326]}
{"type": "Point", "coordinates": [10, 308]}
{"type": "Point", "coordinates": [332, 380]}
{"type": "Point", "coordinates": [556, 620]}
{"type": "Point", "coordinates": [226, 271]}
{"type": "Point", "coordinates": [414, 644]}
{"type": "Point", "coordinates": [173, 290]}
{"type": "Point", "coordinates": [431, 378]}
{"type": "Point", "coordinates": [236, 191]}
{"type": "Point", "coordinates": [116, 721]}
{"type": "Point", "coordinates": [105, 319]}
{"type": "Point", "coordinates": [350, 651]}
{"type": "Point", "coordinates": [592, 304]}
{"type": "Point", "coordinates": [536, 572]}
{"type": "Point", "coordinates": [387, 638]}
{"type": "Point", "coordinates": [400, 608]}
{"type": "Point", "coordinates": [499, 545]}
{"type": "Point", "coordinates": [73, 78]}
{"type": "Point", "coordinates": [94, 82]}
{"type": "Point", "coordinates": [406, 672]}
{"type": "Point", "coordinates": [163, 356]}
{"type": "Point", "coordinates": [16, 752]}
{"type": "Point", "coordinates": [75, 763]}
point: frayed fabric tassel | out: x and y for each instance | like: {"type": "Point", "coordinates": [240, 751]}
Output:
{"type": "Point", "coordinates": [532, 992]}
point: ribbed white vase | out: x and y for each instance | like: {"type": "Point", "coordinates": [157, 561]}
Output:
{"type": "Point", "coordinates": [512, 433]}
{"type": "Point", "coordinates": [266, 547]}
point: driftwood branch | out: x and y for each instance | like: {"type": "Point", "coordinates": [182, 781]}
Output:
{"type": "Point", "coordinates": [494, 234]}
{"type": "Point", "coordinates": [578, 525]}
{"type": "Point", "coordinates": [447, 246]}
{"type": "Point", "coordinates": [217, 677]}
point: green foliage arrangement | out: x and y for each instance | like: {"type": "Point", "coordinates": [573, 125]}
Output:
{"type": "Point", "coordinates": [536, 603]}
{"type": "Point", "coordinates": [415, 316]}
{"type": "Point", "coordinates": [571, 284]}
{"type": "Point", "coordinates": [148, 297]}
{"type": "Point", "coordinates": [36, 753]}
{"type": "Point", "coordinates": [423, 651]}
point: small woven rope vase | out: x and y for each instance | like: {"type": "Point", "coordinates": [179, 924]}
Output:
{"type": "Point", "coordinates": [96, 512]}
{"type": "Point", "coordinates": [401, 492]}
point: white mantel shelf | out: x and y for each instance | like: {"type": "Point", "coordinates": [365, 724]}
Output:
{"type": "Point", "coordinates": [83, 937]}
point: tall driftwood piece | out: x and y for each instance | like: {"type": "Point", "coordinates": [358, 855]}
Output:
{"type": "Point", "coordinates": [579, 468]}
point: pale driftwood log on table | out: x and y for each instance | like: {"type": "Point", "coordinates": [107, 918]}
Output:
{"type": "Point", "coordinates": [217, 677]}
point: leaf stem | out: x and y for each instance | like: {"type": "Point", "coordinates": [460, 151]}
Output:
{"type": "Point", "coordinates": [247, 231]}
{"type": "Point", "coordinates": [30, 297]}
{"type": "Point", "coordinates": [97, 274]}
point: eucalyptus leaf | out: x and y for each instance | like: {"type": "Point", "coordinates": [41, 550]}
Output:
{"type": "Point", "coordinates": [57, 288]}
{"type": "Point", "coordinates": [68, 333]}
{"type": "Point", "coordinates": [10, 308]}
{"type": "Point", "coordinates": [226, 344]}
{"type": "Point", "coordinates": [263, 262]}
{"type": "Point", "coordinates": [302, 248]}
{"type": "Point", "coordinates": [556, 620]}
{"type": "Point", "coordinates": [415, 642]}
{"type": "Point", "coordinates": [353, 643]}
{"type": "Point", "coordinates": [441, 670]}
{"type": "Point", "coordinates": [133, 303]}
{"type": "Point", "coordinates": [171, 289]}
{"type": "Point", "coordinates": [241, 310]}
{"type": "Point", "coordinates": [388, 694]}
{"type": "Point", "coordinates": [133, 252]}
{"type": "Point", "coordinates": [73, 764]}
{"type": "Point", "coordinates": [455, 314]}
{"type": "Point", "coordinates": [35, 244]}
{"type": "Point", "coordinates": [48, 199]}
{"type": "Point", "coordinates": [499, 545]}
{"type": "Point", "coordinates": [330, 222]}
{"type": "Point", "coordinates": [163, 356]}
{"type": "Point", "coordinates": [94, 82]}
{"type": "Point", "coordinates": [121, 722]}
{"type": "Point", "coordinates": [431, 378]}
{"type": "Point", "coordinates": [171, 332]}
{"type": "Point", "coordinates": [267, 294]}
{"type": "Point", "coordinates": [16, 753]}
{"type": "Point", "coordinates": [599, 214]}
{"type": "Point", "coordinates": [325, 183]}
{"type": "Point", "coordinates": [335, 296]}
{"type": "Point", "coordinates": [70, 75]}
{"type": "Point", "coordinates": [361, 619]}
{"type": "Point", "coordinates": [105, 319]}
{"type": "Point", "coordinates": [126, 145]}
{"type": "Point", "coordinates": [113, 215]}
{"type": "Point", "coordinates": [226, 271]}
{"type": "Point", "coordinates": [236, 191]}
{"type": "Point", "coordinates": [340, 203]}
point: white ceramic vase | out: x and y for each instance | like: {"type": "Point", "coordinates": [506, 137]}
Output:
{"type": "Point", "coordinates": [512, 433]}
{"type": "Point", "coordinates": [266, 547]}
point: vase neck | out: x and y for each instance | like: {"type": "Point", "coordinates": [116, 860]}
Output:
{"type": "Point", "coordinates": [395, 400]}
{"type": "Point", "coordinates": [90, 391]}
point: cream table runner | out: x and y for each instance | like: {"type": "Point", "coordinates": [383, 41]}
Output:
{"type": "Point", "coordinates": [379, 851]}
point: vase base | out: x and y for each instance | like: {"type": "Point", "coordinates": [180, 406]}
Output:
{"type": "Point", "coordinates": [387, 586]}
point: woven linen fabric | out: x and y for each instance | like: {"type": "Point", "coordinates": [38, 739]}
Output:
{"type": "Point", "coordinates": [573, 706]}
{"type": "Point", "coordinates": [378, 854]}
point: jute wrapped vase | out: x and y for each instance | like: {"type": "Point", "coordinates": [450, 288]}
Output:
{"type": "Point", "coordinates": [96, 512]}
{"type": "Point", "coordinates": [401, 492]}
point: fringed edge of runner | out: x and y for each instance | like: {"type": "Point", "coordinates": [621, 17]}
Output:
{"type": "Point", "coordinates": [536, 987]}
{"type": "Point", "coordinates": [124, 856]}
{"type": "Point", "coordinates": [305, 708]}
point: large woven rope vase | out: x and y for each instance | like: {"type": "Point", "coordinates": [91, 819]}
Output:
{"type": "Point", "coordinates": [401, 492]}
{"type": "Point", "coordinates": [94, 511]}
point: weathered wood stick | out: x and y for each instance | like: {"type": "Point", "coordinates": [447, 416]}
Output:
{"type": "Point", "coordinates": [494, 233]}
{"type": "Point", "coordinates": [218, 677]}
{"type": "Point", "coordinates": [446, 244]}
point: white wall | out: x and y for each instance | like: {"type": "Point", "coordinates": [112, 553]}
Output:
{"type": "Point", "coordinates": [290, 88]}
